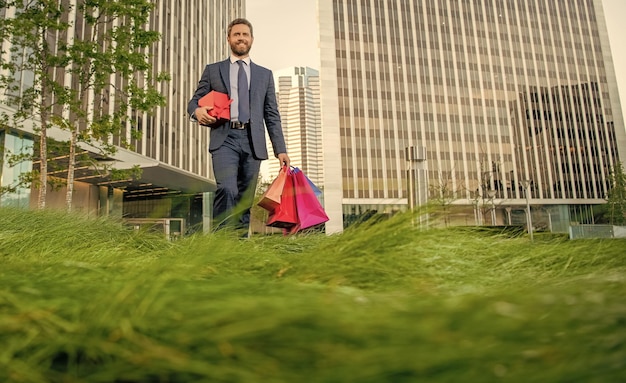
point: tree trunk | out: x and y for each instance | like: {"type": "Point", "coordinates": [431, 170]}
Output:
{"type": "Point", "coordinates": [70, 170]}
{"type": "Point", "coordinates": [43, 154]}
{"type": "Point", "coordinates": [43, 134]}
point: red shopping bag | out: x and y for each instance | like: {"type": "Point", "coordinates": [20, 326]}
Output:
{"type": "Point", "coordinates": [285, 215]}
{"type": "Point", "coordinates": [309, 209]}
{"type": "Point", "coordinates": [271, 198]}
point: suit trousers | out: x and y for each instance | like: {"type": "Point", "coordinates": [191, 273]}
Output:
{"type": "Point", "coordinates": [236, 172]}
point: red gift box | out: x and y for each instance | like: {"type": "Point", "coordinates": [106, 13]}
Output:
{"type": "Point", "coordinates": [220, 104]}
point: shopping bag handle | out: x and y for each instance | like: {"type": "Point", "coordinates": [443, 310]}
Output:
{"type": "Point", "coordinates": [290, 169]}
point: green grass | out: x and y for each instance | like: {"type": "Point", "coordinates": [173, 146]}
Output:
{"type": "Point", "coordinates": [84, 300]}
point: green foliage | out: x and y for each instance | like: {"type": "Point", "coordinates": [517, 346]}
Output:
{"type": "Point", "coordinates": [616, 200]}
{"type": "Point", "coordinates": [122, 174]}
{"type": "Point", "coordinates": [89, 300]}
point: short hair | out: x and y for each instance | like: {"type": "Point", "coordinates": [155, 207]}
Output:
{"type": "Point", "coordinates": [240, 21]}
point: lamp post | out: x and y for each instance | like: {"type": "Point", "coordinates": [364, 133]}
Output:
{"type": "Point", "coordinates": [529, 218]}
{"type": "Point", "coordinates": [477, 212]}
{"type": "Point", "coordinates": [417, 178]}
{"type": "Point", "coordinates": [492, 194]}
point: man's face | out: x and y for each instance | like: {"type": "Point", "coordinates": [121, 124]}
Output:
{"type": "Point", "coordinates": [240, 40]}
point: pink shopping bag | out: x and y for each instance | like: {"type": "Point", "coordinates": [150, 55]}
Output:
{"type": "Point", "coordinates": [309, 209]}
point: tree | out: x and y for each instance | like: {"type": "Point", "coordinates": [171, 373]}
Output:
{"type": "Point", "coordinates": [442, 194]}
{"type": "Point", "coordinates": [90, 80]}
{"type": "Point", "coordinates": [616, 198]}
{"type": "Point", "coordinates": [485, 192]}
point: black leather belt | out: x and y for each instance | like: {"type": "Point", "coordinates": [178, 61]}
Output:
{"type": "Point", "coordinates": [239, 125]}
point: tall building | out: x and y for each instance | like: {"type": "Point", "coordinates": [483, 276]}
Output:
{"type": "Point", "coordinates": [298, 96]}
{"type": "Point", "coordinates": [172, 151]}
{"type": "Point", "coordinates": [506, 99]}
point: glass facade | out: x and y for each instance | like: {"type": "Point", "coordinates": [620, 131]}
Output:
{"type": "Point", "coordinates": [498, 92]}
{"type": "Point", "coordinates": [10, 171]}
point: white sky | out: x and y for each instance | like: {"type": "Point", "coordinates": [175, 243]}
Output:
{"type": "Point", "coordinates": [285, 35]}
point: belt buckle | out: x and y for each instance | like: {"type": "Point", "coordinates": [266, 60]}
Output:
{"type": "Point", "coordinates": [237, 125]}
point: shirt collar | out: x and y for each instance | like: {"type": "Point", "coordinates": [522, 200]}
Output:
{"type": "Point", "coordinates": [234, 59]}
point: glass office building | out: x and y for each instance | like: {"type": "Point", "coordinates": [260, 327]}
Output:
{"type": "Point", "coordinates": [506, 99]}
{"type": "Point", "coordinates": [172, 152]}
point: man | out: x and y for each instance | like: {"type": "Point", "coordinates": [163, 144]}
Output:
{"type": "Point", "coordinates": [238, 146]}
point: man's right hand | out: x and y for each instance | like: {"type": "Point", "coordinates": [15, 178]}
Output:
{"type": "Point", "coordinates": [203, 117]}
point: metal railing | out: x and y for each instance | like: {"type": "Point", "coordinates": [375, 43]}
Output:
{"type": "Point", "coordinates": [596, 231]}
{"type": "Point", "coordinates": [172, 228]}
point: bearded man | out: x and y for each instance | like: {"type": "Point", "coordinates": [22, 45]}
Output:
{"type": "Point", "coordinates": [238, 146]}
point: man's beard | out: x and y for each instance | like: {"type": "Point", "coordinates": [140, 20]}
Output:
{"type": "Point", "coordinates": [240, 51]}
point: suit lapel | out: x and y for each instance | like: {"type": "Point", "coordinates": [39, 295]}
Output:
{"type": "Point", "coordinates": [254, 79]}
{"type": "Point", "coordinates": [225, 73]}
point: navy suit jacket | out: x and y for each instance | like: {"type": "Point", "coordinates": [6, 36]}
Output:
{"type": "Point", "coordinates": [263, 107]}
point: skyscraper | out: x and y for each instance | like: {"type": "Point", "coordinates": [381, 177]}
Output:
{"type": "Point", "coordinates": [505, 96]}
{"type": "Point", "coordinates": [193, 34]}
{"type": "Point", "coordinates": [298, 95]}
